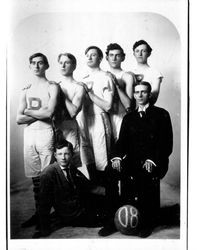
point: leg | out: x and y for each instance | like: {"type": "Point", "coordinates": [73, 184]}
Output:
{"type": "Point", "coordinates": [112, 200]}
{"type": "Point", "coordinates": [44, 145]}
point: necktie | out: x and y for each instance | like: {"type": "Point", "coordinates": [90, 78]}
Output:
{"type": "Point", "coordinates": [69, 177]}
{"type": "Point", "coordinates": [142, 114]}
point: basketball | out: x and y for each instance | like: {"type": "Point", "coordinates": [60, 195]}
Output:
{"type": "Point", "coordinates": [127, 220]}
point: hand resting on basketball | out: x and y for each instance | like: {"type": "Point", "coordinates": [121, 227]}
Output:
{"type": "Point", "coordinates": [116, 164]}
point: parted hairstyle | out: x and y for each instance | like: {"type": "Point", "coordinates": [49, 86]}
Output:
{"type": "Point", "coordinates": [39, 55]}
{"type": "Point", "coordinates": [100, 53]}
{"type": "Point", "coordinates": [113, 46]}
{"type": "Point", "coordinates": [63, 143]}
{"type": "Point", "coordinates": [70, 56]}
{"type": "Point", "coordinates": [149, 88]}
{"type": "Point", "coordinates": [140, 42]}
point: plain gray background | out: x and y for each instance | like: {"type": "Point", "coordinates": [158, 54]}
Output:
{"type": "Point", "coordinates": [27, 36]}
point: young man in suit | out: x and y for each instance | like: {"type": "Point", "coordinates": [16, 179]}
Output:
{"type": "Point", "coordinates": [68, 191]}
{"type": "Point", "coordinates": [141, 156]}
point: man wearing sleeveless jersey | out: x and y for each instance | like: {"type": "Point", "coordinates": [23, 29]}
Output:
{"type": "Point", "coordinates": [123, 87]}
{"type": "Point", "coordinates": [94, 121]}
{"type": "Point", "coordinates": [36, 107]}
{"type": "Point", "coordinates": [73, 93]}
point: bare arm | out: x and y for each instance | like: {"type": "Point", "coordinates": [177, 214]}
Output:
{"type": "Point", "coordinates": [46, 112]}
{"type": "Point", "coordinates": [106, 102]}
{"type": "Point", "coordinates": [126, 96]}
{"type": "Point", "coordinates": [75, 105]}
{"type": "Point", "coordinates": [22, 118]}
{"type": "Point", "coordinates": [155, 90]}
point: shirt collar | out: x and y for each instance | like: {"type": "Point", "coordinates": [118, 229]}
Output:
{"type": "Point", "coordinates": [67, 167]}
{"type": "Point", "coordinates": [144, 108]}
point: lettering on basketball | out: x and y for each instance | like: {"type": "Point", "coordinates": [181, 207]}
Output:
{"type": "Point", "coordinates": [133, 217]}
{"type": "Point", "coordinates": [125, 212]}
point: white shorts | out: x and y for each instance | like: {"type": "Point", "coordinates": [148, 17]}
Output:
{"type": "Point", "coordinates": [95, 141]}
{"type": "Point", "coordinates": [38, 150]}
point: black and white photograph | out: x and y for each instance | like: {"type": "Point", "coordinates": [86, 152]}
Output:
{"type": "Point", "coordinates": [97, 124]}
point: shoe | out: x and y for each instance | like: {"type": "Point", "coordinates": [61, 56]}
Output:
{"type": "Point", "coordinates": [145, 232]}
{"type": "Point", "coordinates": [30, 222]}
{"type": "Point", "coordinates": [107, 230]}
{"type": "Point", "coordinates": [38, 234]}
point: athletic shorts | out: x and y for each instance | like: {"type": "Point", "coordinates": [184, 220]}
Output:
{"type": "Point", "coordinates": [38, 150]}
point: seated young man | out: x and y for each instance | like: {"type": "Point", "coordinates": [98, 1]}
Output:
{"type": "Point", "coordinates": [141, 156]}
{"type": "Point", "coordinates": [66, 189]}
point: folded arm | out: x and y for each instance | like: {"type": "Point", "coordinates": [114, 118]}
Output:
{"type": "Point", "coordinates": [45, 112]}
{"type": "Point", "coordinates": [21, 117]}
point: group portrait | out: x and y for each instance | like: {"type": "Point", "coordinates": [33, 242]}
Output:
{"type": "Point", "coordinates": [97, 111]}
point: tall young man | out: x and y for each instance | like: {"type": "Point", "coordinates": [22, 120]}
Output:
{"type": "Point", "coordinates": [73, 93]}
{"type": "Point", "coordinates": [123, 87]}
{"type": "Point", "coordinates": [143, 71]}
{"type": "Point", "coordinates": [36, 107]}
{"type": "Point", "coordinates": [95, 123]}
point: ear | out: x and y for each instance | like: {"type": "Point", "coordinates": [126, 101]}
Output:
{"type": "Point", "coordinates": [55, 154]}
{"type": "Point", "coordinates": [123, 58]}
{"type": "Point", "coordinates": [106, 58]}
{"type": "Point", "coordinates": [149, 54]}
{"type": "Point", "coordinates": [47, 66]}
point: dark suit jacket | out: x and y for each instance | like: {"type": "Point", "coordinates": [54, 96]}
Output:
{"type": "Point", "coordinates": [57, 192]}
{"type": "Point", "coordinates": [145, 138]}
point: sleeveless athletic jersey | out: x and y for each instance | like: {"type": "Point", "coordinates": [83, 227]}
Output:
{"type": "Point", "coordinates": [36, 102]}
{"type": "Point", "coordinates": [94, 123]}
{"type": "Point", "coordinates": [148, 74]}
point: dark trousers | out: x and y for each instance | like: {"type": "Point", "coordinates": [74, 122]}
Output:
{"type": "Point", "coordinates": [142, 191]}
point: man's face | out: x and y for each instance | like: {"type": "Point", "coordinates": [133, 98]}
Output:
{"type": "Point", "coordinates": [38, 66]}
{"type": "Point", "coordinates": [66, 66]}
{"type": "Point", "coordinates": [93, 59]}
{"type": "Point", "coordinates": [141, 95]}
{"type": "Point", "coordinates": [63, 156]}
{"type": "Point", "coordinates": [115, 58]}
{"type": "Point", "coordinates": [141, 53]}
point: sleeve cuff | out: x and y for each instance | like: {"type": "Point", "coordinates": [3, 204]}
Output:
{"type": "Point", "coordinates": [151, 162]}
{"type": "Point", "coordinates": [116, 158]}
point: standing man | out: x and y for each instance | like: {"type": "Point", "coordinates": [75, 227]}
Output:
{"type": "Point", "coordinates": [73, 93]}
{"type": "Point", "coordinates": [94, 121]}
{"type": "Point", "coordinates": [123, 87]}
{"type": "Point", "coordinates": [36, 108]}
{"type": "Point", "coordinates": [141, 155]}
{"type": "Point", "coordinates": [143, 71]}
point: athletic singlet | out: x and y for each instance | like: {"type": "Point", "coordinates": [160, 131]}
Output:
{"type": "Point", "coordinates": [35, 102]}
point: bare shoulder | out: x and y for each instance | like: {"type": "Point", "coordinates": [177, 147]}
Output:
{"type": "Point", "coordinates": [109, 74]}
{"type": "Point", "coordinates": [80, 87]}
{"type": "Point", "coordinates": [53, 85]}
{"type": "Point", "coordinates": [53, 88]}
{"type": "Point", "coordinates": [26, 87]}
{"type": "Point", "coordinates": [128, 76]}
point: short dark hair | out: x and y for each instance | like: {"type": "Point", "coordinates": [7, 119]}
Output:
{"type": "Point", "coordinates": [147, 84]}
{"type": "Point", "coordinates": [63, 143]}
{"type": "Point", "coordinates": [113, 46]}
{"type": "Point", "coordinates": [100, 53]}
{"type": "Point", "coordinates": [39, 55]}
{"type": "Point", "coordinates": [140, 42]}
{"type": "Point", "coordinates": [70, 56]}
